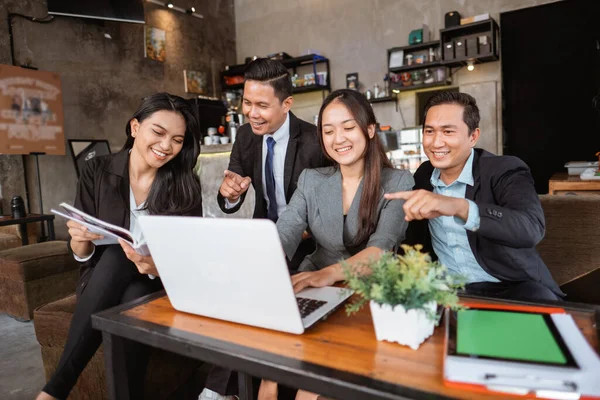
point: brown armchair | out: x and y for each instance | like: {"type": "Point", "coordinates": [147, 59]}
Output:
{"type": "Point", "coordinates": [571, 246]}
{"type": "Point", "coordinates": [169, 376]}
{"type": "Point", "coordinates": [10, 236]}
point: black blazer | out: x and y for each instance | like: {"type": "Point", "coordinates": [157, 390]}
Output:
{"type": "Point", "coordinates": [512, 219]}
{"type": "Point", "coordinates": [103, 192]}
{"type": "Point", "coordinates": [303, 151]}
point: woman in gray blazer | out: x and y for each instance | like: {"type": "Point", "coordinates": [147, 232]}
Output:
{"type": "Point", "coordinates": [343, 206]}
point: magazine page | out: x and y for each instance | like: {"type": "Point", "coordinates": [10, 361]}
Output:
{"type": "Point", "coordinates": [109, 236]}
{"type": "Point", "coordinates": [79, 216]}
{"type": "Point", "coordinates": [111, 233]}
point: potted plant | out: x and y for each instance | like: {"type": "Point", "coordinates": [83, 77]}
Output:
{"type": "Point", "coordinates": [404, 292]}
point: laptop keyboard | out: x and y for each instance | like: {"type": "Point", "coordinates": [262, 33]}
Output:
{"type": "Point", "coordinates": [307, 306]}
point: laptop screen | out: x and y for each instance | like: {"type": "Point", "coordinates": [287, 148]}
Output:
{"type": "Point", "coordinates": [509, 336]}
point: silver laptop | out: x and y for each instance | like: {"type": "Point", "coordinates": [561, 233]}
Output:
{"type": "Point", "coordinates": [235, 270]}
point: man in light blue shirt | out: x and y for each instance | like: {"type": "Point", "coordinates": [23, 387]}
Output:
{"type": "Point", "coordinates": [477, 212]}
{"type": "Point", "coordinates": [449, 234]}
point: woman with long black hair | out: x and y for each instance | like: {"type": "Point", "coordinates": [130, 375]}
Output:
{"type": "Point", "coordinates": [152, 174]}
{"type": "Point", "coordinates": [343, 206]}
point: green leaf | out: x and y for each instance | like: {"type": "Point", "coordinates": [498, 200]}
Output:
{"type": "Point", "coordinates": [412, 280]}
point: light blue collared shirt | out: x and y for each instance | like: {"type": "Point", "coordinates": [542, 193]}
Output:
{"type": "Point", "coordinates": [449, 234]}
{"type": "Point", "coordinates": [281, 137]}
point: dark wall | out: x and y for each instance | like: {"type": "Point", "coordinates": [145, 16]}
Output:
{"type": "Point", "coordinates": [103, 80]}
{"type": "Point", "coordinates": [551, 73]}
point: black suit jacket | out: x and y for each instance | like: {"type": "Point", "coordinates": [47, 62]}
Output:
{"type": "Point", "coordinates": [103, 192]}
{"type": "Point", "coordinates": [303, 151]}
{"type": "Point", "coordinates": [512, 219]}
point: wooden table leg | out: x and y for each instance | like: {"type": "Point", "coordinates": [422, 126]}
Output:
{"type": "Point", "coordinates": [245, 386]}
{"type": "Point", "coordinates": [24, 234]}
{"type": "Point", "coordinates": [116, 372]}
{"type": "Point", "coordinates": [51, 234]}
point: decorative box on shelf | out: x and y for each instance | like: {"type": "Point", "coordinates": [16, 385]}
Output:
{"type": "Point", "coordinates": [476, 42]}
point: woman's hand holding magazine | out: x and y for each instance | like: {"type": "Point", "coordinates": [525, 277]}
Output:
{"type": "Point", "coordinates": [144, 264]}
{"type": "Point", "coordinates": [106, 233]}
{"type": "Point", "coordinates": [81, 239]}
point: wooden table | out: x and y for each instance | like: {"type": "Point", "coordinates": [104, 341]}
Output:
{"type": "Point", "coordinates": [339, 357]}
{"type": "Point", "coordinates": [6, 220]}
{"type": "Point", "coordinates": [563, 182]}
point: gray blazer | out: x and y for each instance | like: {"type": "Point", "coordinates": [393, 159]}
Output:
{"type": "Point", "coordinates": [317, 205]}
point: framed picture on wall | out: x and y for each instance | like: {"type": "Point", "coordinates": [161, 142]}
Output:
{"type": "Point", "coordinates": [352, 81]}
{"type": "Point", "coordinates": [155, 43]}
{"type": "Point", "coordinates": [195, 82]}
{"type": "Point", "coordinates": [396, 59]}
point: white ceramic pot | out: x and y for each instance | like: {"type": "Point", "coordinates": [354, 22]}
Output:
{"type": "Point", "coordinates": [397, 325]}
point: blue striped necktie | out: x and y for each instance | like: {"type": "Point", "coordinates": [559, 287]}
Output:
{"type": "Point", "coordinates": [270, 181]}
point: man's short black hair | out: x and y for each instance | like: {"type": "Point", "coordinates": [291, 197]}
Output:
{"type": "Point", "coordinates": [468, 103]}
{"type": "Point", "coordinates": [271, 72]}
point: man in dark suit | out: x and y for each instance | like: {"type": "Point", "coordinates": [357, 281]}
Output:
{"type": "Point", "coordinates": [273, 148]}
{"type": "Point", "coordinates": [477, 212]}
{"type": "Point", "coordinates": [270, 152]}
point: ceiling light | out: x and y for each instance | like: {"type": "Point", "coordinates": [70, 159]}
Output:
{"type": "Point", "coordinates": [190, 11]}
{"type": "Point", "coordinates": [470, 65]}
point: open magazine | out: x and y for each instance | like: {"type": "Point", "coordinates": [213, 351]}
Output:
{"type": "Point", "coordinates": [111, 233]}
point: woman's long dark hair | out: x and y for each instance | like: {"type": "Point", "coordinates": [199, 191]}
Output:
{"type": "Point", "coordinates": [374, 155]}
{"type": "Point", "coordinates": [176, 189]}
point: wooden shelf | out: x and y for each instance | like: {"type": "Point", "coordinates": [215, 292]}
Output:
{"type": "Point", "coordinates": [310, 88]}
{"type": "Point", "coordinates": [418, 50]}
{"type": "Point", "coordinates": [304, 60]}
{"type": "Point", "coordinates": [471, 49]}
{"type": "Point", "coordinates": [458, 62]}
{"type": "Point", "coordinates": [233, 87]}
{"type": "Point", "coordinates": [416, 47]}
{"type": "Point", "coordinates": [290, 63]}
{"type": "Point", "coordinates": [422, 86]}
{"type": "Point", "coordinates": [239, 69]}
{"type": "Point", "coordinates": [296, 90]}
{"type": "Point", "coordinates": [383, 99]}
{"type": "Point", "coordinates": [421, 47]}
{"type": "Point", "coordinates": [479, 26]}
{"type": "Point", "coordinates": [414, 67]}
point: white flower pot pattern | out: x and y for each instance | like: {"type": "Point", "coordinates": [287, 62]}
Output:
{"type": "Point", "coordinates": [409, 328]}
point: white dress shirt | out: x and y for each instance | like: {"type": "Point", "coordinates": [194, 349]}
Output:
{"type": "Point", "coordinates": [282, 138]}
